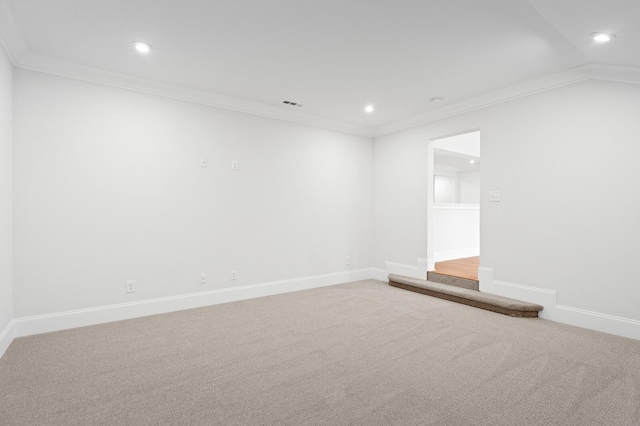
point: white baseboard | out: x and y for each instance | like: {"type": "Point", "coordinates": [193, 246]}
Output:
{"type": "Point", "coordinates": [83, 317]}
{"type": "Point", "coordinates": [7, 336]}
{"type": "Point", "coordinates": [418, 271]}
{"type": "Point", "coordinates": [485, 279]}
{"type": "Point", "coordinates": [611, 324]}
{"type": "Point", "coordinates": [431, 264]}
{"type": "Point", "coordinates": [442, 255]}
{"type": "Point", "coordinates": [423, 266]}
{"type": "Point", "coordinates": [380, 275]}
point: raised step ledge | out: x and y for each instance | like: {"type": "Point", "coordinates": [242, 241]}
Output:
{"type": "Point", "coordinates": [487, 301]}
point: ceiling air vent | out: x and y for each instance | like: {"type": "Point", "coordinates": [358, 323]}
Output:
{"type": "Point", "coordinates": [292, 103]}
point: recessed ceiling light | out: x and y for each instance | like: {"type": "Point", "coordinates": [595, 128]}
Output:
{"type": "Point", "coordinates": [142, 47]}
{"type": "Point", "coordinates": [603, 37]}
{"type": "Point", "coordinates": [369, 109]}
{"type": "Point", "coordinates": [436, 100]}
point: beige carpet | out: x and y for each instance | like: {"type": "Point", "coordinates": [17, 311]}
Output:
{"type": "Point", "coordinates": [357, 354]}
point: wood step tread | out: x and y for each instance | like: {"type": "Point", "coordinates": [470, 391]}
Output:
{"type": "Point", "coordinates": [487, 301]}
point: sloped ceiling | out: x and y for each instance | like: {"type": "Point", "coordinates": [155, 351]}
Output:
{"type": "Point", "coordinates": [334, 57]}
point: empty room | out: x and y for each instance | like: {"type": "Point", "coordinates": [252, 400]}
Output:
{"type": "Point", "coordinates": [237, 212]}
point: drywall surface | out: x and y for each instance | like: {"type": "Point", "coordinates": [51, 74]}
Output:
{"type": "Point", "coordinates": [110, 188]}
{"type": "Point", "coordinates": [469, 184]}
{"type": "Point", "coordinates": [6, 190]}
{"type": "Point", "coordinates": [565, 162]}
{"type": "Point", "coordinates": [457, 231]}
{"type": "Point", "coordinates": [466, 143]}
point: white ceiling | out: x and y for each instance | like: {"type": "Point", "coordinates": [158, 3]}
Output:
{"type": "Point", "coordinates": [332, 56]}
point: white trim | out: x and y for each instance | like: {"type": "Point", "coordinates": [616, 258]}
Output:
{"type": "Point", "coordinates": [10, 36]}
{"type": "Point", "coordinates": [402, 269]}
{"type": "Point", "coordinates": [7, 336]}
{"type": "Point", "coordinates": [18, 51]}
{"type": "Point", "coordinates": [431, 264]}
{"type": "Point", "coordinates": [83, 317]}
{"type": "Point", "coordinates": [541, 296]}
{"type": "Point", "coordinates": [380, 275]}
{"type": "Point", "coordinates": [611, 324]}
{"type": "Point", "coordinates": [106, 78]}
{"type": "Point", "coordinates": [619, 74]}
{"type": "Point", "coordinates": [527, 88]}
{"type": "Point", "coordinates": [485, 279]}
{"type": "Point", "coordinates": [423, 266]}
{"type": "Point", "coordinates": [419, 271]}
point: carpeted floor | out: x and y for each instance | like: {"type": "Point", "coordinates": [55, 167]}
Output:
{"type": "Point", "coordinates": [357, 354]}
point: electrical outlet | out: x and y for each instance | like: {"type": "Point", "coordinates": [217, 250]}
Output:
{"type": "Point", "coordinates": [203, 162]}
{"type": "Point", "coordinates": [348, 261]}
{"type": "Point", "coordinates": [494, 196]}
{"type": "Point", "coordinates": [233, 274]}
{"type": "Point", "coordinates": [234, 164]}
{"type": "Point", "coordinates": [131, 287]}
{"type": "Point", "coordinates": [203, 278]}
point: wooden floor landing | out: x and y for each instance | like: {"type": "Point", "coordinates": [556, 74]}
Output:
{"type": "Point", "coordinates": [461, 268]}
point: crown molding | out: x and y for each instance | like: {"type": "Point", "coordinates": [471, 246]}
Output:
{"type": "Point", "coordinates": [614, 73]}
{"type": "Point", "coordinates": [520, 90]}
{"type": "Point", "coordinates": [18, 51]}
{"type": "Point", "coordinates": [618, 74]}
{"type": "Point", "coordinates": [93, 75]}
{"type": "Point", "coordinates": [20, 55]}
{"type": "Point", "coordinates": [10, 36]}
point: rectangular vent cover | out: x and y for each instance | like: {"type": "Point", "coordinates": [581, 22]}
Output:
{"type": "Point", "coordinates": [292, 103]}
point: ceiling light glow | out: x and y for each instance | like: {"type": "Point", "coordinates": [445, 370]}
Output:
{"type": "Point", "coordinates": [142, 47]}
{"type": "Point", "coordinates": [603, 37]}
{"type": "Point", "coordinates": [369, 109]}
{"type": "Point", "coordinates": [472, 161]}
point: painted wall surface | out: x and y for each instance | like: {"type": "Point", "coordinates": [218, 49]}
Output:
{"type": "Point", "coordinates": [456, 231]}
{"type": "Point", "coordinates": [454, 186]}
{"type": "Point", "coordinates": [109, 187]}
{"type": "Point", "coordinates": [565, 161]}
{"type": "Point", "coordinates": [469, 187]}
{"type": "Point", "coordinates": [466, 143]}
{"type": "Point", "coordinates": [6, 190]}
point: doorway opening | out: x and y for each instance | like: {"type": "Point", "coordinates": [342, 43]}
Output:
{"type": "Point", "coordinates": [453, 210]}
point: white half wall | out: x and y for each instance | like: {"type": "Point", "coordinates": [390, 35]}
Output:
{"type": "Point", "coordinates": [6, 201]}
{"type": "Point", "coordinates": [109, 187]}
{"type": "Point", "coordinates": [456, 231]}
{"type": "Point", "coordinates": [565, 162]}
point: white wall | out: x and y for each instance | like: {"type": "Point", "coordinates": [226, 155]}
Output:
{"type": "Point", "coordinates": [469, 187]}
{"type": "Point", "coordinates": [456, 186]}
{"type": "Point", "coordinates": [467, 143]}
{"type": "Point", "coordinates": [6, 195]}
{"type": "Point", "coordinates": [456, 231]}
{"type": "Point", "coordinates": [109, 188]}
{"type": "Point", "coordinates": [400, 198]}
{"type": "Point", "coordinates": [445, 187]}
{"type": "Point", "coordinates": [565, 223]}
